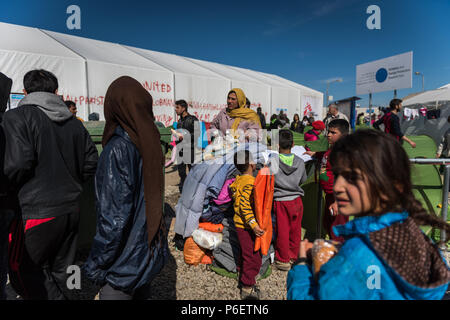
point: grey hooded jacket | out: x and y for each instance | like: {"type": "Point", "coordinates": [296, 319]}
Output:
{"type": "Point", "coordinates": [48, 156]}
{"type": "Point", "coordinates": [287, 178]}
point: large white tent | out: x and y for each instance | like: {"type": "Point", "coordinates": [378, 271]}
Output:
{"type": "Point", "coordinates": [430, 98]}
{"type": "Point", "coordinates": [86, 67]}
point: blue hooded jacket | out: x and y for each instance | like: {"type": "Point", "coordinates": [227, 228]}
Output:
{"type": "Point", "coordinates": [120, 254]}
{"type": "Point", "coordinates": [358, 271]}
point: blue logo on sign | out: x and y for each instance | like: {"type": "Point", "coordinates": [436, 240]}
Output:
{"type": "Point", "coordinates": [381, 75]}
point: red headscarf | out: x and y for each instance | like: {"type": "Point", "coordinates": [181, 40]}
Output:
{"type": "Point", "coordinates": [129, 105]}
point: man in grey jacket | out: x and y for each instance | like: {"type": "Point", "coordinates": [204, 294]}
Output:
{"type": "Point", "coordinates": [333, 113]}
{"type": "Point", "coordinates": [290, 173]}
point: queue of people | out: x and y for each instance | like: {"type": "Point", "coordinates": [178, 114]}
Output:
{"type": "Point", "coordinates": [47, 155]}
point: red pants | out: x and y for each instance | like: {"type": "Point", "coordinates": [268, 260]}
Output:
{"type": "Point", "coordinates": [251, 260]}
{"type": "Point", "coordinates": [330, 221]}
{"type": "Point", "coordinates": [289, 228]}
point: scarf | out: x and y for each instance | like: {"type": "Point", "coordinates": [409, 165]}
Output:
{"type": "Point", "coordinates": [129, 105]}
{"type": "Point", "coordinates": [242, 113]}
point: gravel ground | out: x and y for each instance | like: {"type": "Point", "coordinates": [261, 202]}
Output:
{"type": "Point", "coordinates": [179, 281]}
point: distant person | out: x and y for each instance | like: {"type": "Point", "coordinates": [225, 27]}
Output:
{"type": "Point", "coordinates": [444, 145]}
{"type": "Point", "coordinates": [306, 122]}
{"type": "Point", "coordinates": [283, 118]}
{"type": "Point", "coordinates": [262, 117]}
{"type": "Point", "coordinates": [391, 122]}
{"type": "Point", "coordinates": [333, 114]}
{"type": "Point", "coordinates": [275, 123]}
{"type": "Point", "coordinates": [314, 134]}
{"type": "Point", "coordinates": [186, 125]}
{"type": "Point", "coordinates": [130, 245]}
{"type": "Point", "coordinates": [73, 108]}
{"type": "Point", "coordinates": [236, 116]}
{"type": "Point", "coordinates": [48, 156]}
{"type": "Point", "coordinates": [296, 125]}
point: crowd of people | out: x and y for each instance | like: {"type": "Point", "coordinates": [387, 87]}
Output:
{"type": "Point", "coordinates": [46, 155]}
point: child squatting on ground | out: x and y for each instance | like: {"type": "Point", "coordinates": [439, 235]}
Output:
{"type": "Point", "coordinates": [336, 130]}
{"type": "Point", "coordinates": [247, 227]}
{"type": "Point", "coordinates": [289, 171]}
{"type": "Point", "coordinates": [385, 255]}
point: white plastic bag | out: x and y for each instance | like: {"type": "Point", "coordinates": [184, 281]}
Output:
{"type": "Point", "coordinates": [207, 239]}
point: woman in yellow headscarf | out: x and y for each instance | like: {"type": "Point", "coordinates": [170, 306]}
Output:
{"type": "Point", "coordinates": [236, 116]}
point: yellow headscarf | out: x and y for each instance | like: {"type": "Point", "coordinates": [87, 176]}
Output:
{"type": "Point", "coordinates": [242, 113]}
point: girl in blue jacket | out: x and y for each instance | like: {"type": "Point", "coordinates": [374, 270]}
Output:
{"type": "Point", "coordinates": [385, 254]}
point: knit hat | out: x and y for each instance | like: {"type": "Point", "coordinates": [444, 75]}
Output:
{"type": "Point", "coordinates": [318, 125]}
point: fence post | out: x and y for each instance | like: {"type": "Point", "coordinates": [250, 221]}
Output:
{"type": "Point", "coordinates": [444, 211]}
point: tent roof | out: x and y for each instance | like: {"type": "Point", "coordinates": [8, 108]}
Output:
{"type": "Point", "coordinates": [174, 63]}
{"type": "Point", "coordinates": [31, 40]}
{"type": "Point", "coordinates": [431, 96]}
{"type": "Point", "coordinates": [101, 51]}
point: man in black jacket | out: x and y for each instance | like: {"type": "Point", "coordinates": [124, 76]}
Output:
{"type": "Point", "coordinates": [8, 201]}
{"type": "Point", "coordinates": [187, 124]}
{"type": "Point", "coordinates": [48, 155]}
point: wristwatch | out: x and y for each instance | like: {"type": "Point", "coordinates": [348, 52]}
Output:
{"type": "Point", "coordinates": [299, 261]}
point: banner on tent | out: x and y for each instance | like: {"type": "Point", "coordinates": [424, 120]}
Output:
{"type": "Point", "coordinates": [311, 107]}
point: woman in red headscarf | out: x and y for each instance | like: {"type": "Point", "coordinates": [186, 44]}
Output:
{"type": "Point", "coordinates": [315, 132]}
{"type": "Point", "coordinates": [130, 246]}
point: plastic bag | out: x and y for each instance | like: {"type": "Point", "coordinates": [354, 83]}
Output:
{"type": "Point", "coordinates": [322, 251]}
{"type": "Point", "coordinates": [206, 239]}
{"type": "Point", "coordinates": [193, 254]}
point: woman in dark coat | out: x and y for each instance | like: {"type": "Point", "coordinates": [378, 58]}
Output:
{"type": "Point", "coordinates": [296, 125]}
{"type": "Point", "coordinates": [130, 246]}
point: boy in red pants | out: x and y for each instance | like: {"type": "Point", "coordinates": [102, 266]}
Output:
{"type": "Point", "coordinates": [289, 171]}
{"type": "Point", "coordinates": [336, 130]}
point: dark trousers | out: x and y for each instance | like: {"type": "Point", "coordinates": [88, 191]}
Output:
{"type": "Point", "coordinates": [251, 260]}
{"type": "Point", "coordinates": [182, 173]}
{"type": "Point", "coordinates": [289, 228]}
{"type": "Point", "coordinates": [109, 293]}
{"type": "Point", "coordinates": [330, 221]}
{"type": "Point", "coordinates": [40, 252]}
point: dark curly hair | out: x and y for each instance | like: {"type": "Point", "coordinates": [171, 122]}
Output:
{"type": "Point", "coordinates": [387, 170]}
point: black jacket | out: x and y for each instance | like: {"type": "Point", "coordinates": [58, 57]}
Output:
{"type": "Point", "coordinates": [46, 161]}
{"type": "Point", "coordinates": [120, 254]}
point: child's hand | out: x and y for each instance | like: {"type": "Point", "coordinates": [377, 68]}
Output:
{"type": "Point", "coordinates": [305, 246]}
{"type": "Point", "coordinates": [334, 209]}
{"type": "Point", "coordinates": [310, 153]}
{"type": "Point", "coordinates": [258, 231]}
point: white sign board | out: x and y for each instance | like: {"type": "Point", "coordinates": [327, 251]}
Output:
{"type": "Point", "coordinates": [385, 75]}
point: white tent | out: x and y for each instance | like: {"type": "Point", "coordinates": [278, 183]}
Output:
{"type": "Point", "coordinates": [430, 98]}
{"type": "Point", "coordinates": [86, 67]}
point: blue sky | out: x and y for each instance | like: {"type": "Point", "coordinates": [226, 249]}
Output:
{"type": "Point", "coordinates": [307, 42]}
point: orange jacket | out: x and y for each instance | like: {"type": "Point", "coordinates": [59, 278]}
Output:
{"type": "Point", "coordinates": [263, 196]}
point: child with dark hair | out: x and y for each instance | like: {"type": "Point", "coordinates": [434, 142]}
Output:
{"type": "Point", "coordinates": [385, 255]}
{"type": "Point", "coordinates": [289, 171]}
{"type": "Point", "coordinates": [247, 227]}
{"type": "Point", "coordinates": [336, 129]}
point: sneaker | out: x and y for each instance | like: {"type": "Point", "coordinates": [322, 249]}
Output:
{"type": "Point", "coordinates": [283, 266]}
{"type": "Point", "coordinates": [252, 293]}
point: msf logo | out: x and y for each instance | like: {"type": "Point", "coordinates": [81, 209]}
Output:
{"type": "Point", "coordinates": [374, 21]}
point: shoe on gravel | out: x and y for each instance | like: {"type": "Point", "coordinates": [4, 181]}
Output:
{"type": "Point", "coordinates": [252, 293]}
